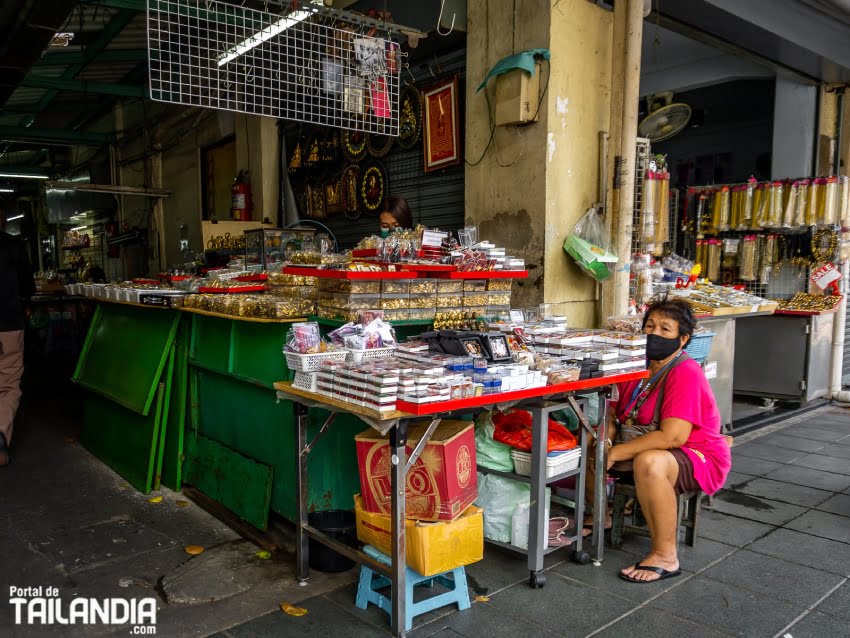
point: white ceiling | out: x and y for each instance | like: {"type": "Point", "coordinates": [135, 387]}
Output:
{"type": "Point", "coordinates": [678, 63]}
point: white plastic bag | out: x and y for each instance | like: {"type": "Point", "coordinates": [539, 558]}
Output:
{"type": "Point", "coordinates": [499, 497]}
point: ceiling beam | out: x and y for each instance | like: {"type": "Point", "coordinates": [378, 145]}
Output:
{"type": "Point", "coordinates": [65, 58]}
{"type": "Point", "coordinates": [56, 107]}
{"type": "Point", "coordinates": [133, 5]}
{"type": "Point", "coordinates": [82, 86]}
{"type": "Point", "coordinates": [116, 24]}
{"type": "Point", "coordinates": [59, 137]}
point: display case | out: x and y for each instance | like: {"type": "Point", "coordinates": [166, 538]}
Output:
{"type": "Point", "coordinates": [265, 247]}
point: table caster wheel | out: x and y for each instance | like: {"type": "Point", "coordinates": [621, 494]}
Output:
{"type": "Point", "coordinates": [302, 583]}
{"type": "Point", "coordinates": [582, 558]}
{"type": "Point", "coordinates": [768, 403]}
{"type": "Point", "coordinates": [536, 580]}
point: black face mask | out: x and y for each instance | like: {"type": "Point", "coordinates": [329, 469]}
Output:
{"type": "Point", "coordinates": [659, 348]}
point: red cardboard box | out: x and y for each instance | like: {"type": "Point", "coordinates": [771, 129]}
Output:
{"type": "Point", "coordinates": [442, 483]}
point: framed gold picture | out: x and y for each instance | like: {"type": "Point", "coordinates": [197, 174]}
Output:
{"type": "Point", "coordinates": [441, 134]}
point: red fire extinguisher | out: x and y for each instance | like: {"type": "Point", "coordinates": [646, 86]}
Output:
{"type": "Point", "coordinates": [241, 202]}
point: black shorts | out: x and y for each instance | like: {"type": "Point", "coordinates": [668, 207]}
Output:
{"type": "Point", "coordinates": [685, 482]}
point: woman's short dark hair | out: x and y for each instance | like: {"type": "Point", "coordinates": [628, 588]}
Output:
{"type": "Point", "coordinates": [676, 309]}
{"type": "Point", "coordinates": [400, 209]}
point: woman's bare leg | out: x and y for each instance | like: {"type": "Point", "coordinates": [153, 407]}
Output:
{"type": "Point", "coordinates": [655, 473]}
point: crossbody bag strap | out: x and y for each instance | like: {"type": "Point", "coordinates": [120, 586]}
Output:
{"type": "Point", "coordinates": [662, 386]}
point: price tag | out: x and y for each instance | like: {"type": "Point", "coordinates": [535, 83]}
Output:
{"type": "Point", "coordinates": [711, 370]}
{"type": "Point", "coordinates": [825, 275]}
{"type": "Point", "coordinates": [517, 316]}
{"type": "Point", "coordinates": [433, 238]}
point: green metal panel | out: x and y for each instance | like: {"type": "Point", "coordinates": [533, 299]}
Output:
{"type": "Point", "coordinates": [211, 342]}
{"type": "Point", "coordinates": [257, 352]}
{"type": "Point", "coordinates": [172, 466]}
{"type": "Point", "coordinates": [139, 340]}
{"type": "Point", "coordinates": [163, 423]}
{"type": "Point", "coordinates": [236, 481]}
{"type": "Point", "coordinates": [248, 418]}
{"type": "Point", "coordinates": [125, 440]}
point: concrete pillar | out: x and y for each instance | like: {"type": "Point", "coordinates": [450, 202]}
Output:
{"type": "Point", "coordinates": [794, 115]}
{"type": "Point", "coordinates": [536, 181]}
{"type": "Point", "coordinates": [257, 152]}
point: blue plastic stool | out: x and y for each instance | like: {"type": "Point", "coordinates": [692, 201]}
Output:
{"type": "Point", "coordinates": [370, 582]}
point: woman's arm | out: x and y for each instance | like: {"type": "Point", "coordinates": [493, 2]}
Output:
{"type": "Point", "coordinates": [672, 434]}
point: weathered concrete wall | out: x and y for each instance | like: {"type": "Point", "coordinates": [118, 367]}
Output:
{"type": "Point", "coordinates": [506, 192]}
{"type": "Point", "coordinates": [536, 181]}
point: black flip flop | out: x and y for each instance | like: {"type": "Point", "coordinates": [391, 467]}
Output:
{"type": "Point", "coordinates": [662, 574]}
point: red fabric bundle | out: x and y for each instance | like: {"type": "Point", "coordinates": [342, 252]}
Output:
{"type": "Point", "coordinates": [514, 429]}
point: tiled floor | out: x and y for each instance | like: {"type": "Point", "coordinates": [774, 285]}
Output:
{"type": "Point", "coordinates": [773, 559]}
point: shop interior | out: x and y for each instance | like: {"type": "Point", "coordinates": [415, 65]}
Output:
{"type": "Point", "coordinates": [732, 116]}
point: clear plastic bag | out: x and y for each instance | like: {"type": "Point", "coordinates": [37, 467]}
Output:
{"type": "Point", "coordinates": [831, 214]}
{"type": "Point", "coordinates": [790, 205]}
{"type": "Point", "coordinates": [802, 203]}
{"type": "Point", "coordinates": [747, 258]}
{"type": "Point", "coordinates": [662, 212]}
{"type": "Point", "coordinates": [748, 193]}
{"type": "Point", "coordinates": [589, 244]}
{"type": "Point", "coordinates": [647, 215]}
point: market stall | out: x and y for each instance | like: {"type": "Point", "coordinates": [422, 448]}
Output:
{"type": "Point", "coordinates": [778, 240]}
{"type": "Point", "coordinates": [396, 422]}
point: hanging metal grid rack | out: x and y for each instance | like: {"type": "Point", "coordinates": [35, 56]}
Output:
{"type": "Point", "coordinates": [308, 64]}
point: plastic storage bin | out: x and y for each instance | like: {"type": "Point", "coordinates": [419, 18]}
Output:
{"type": "Point", "coordinates": [699, 346]}
{"type": "Point", "coordinates": [556, 462]}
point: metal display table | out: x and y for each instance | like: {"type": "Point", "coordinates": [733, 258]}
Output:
{"type": "Point", "coordinates": [539, 401]}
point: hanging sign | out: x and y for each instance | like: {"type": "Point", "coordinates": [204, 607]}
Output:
{"type": "Point", "coordinates": [825, 275]}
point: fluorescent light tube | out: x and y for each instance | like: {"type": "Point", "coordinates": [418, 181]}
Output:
{"type": "Point", "coordinates": [24, 176]}
{"type": "Point", "coordinates": [276, 28]}
{"type": "Point", "coordinates": [7, 190]}
{"type": "Point", "coordinates": [79, 228]}
{"type": "Point", "coordinates": [11, 219]}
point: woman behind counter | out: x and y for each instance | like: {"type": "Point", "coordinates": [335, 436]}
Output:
{"type": "Point", "coordinates": [396, 214]}
{"type": "Point", "coordinates": [672, 447]}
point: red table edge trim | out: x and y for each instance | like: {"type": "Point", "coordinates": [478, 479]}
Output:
{"type": "Point", "coordinates": [232, 291]}
{"type": "Point", "coordinates": [347, 274]}
{"type": "Point", "coordinates": [423, 409]}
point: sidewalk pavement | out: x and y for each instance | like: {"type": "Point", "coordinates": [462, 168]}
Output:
{"type": "Point", "coordinates": [772, 559]}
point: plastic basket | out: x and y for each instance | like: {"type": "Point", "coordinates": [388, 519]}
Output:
{"type": "Point", "coordinates": [556, 462]}
{"type": "Point", "coordinates": [307, 381]}
{"type": "Point", "coordinates": [312, 362]}
{"type": "Point", "coordinates": [357, 356]}
{"type": "Point", "coordinates": [699, 346]}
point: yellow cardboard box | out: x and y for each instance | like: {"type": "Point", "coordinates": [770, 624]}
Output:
{"type": "Point", "coordinates": [431, 548]}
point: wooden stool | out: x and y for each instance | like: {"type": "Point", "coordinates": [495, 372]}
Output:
{"type": "Point", "coordinates": [370, 582]}
{"type": "Point", "coordinates": [688, 512]}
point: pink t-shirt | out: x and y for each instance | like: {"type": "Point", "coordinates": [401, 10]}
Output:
{"type": "Point", "coordinates": [689, 397]}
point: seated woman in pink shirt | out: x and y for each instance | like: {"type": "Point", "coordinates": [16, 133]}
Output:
{"type": "Point", "coordinates": [673, 446]}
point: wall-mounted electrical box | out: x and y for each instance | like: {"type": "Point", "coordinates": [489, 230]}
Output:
{"type": "Point", "coordinates": [518, 97]}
